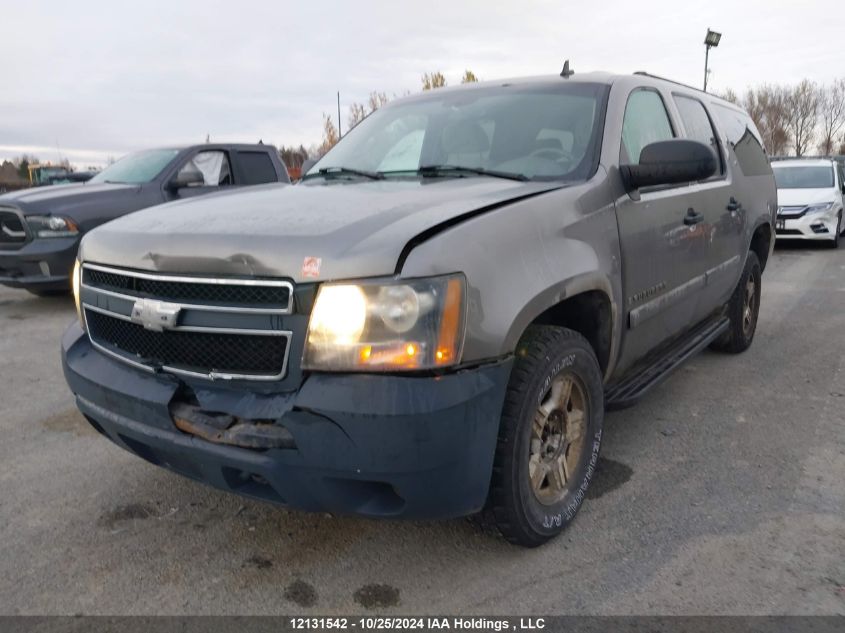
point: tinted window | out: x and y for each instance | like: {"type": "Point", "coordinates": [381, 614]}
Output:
{"type": "Point", "coordinates": [137, 168]}
{"type": "Point", "coordinates": [697, 124]}
{"type": "Point", "coordinates": [538, 131]}
{"type": "Point", "coordinates": [646, 121]}
{"type": "Point", "coordinates": [214, 167]}
{"type": "Point", "coordinates": [257, 168]}
{"type": "Point", "coordinates": [744, 138]}
{"type": "Point", "coordinates": [804, 177]}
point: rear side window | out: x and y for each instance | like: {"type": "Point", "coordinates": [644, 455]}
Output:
{"type": "Point", "coordinates": [744, 139]}
{"type": "Point", "coordinates": [257, 168]}
{"type": "Point", "coordinates": [646, 121]}
{"type": "Point", "coordinates": [698, 126]}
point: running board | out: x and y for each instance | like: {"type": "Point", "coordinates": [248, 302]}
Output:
{"type": "Point", "coordinates": [654, 371]}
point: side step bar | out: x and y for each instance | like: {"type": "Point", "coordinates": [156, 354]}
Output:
{"type": "Point", "coordinates": [654, 370]}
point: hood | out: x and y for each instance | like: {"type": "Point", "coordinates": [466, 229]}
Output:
{"type": "Point", "coordinates": [801, 197]}
{"type": "Point", "coordinates": [355, 229]}
{"type": "Point", "coordinates": [62, 199]}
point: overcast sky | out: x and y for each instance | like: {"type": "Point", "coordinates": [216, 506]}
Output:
{"type": "Point", "coordinates": [99, 79]}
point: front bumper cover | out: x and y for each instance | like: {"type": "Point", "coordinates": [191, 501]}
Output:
{"type": "Point", "coordinates": [812, 226]}
{"type": "Point", "coordinates": [381, 446]}
{"type": "Point", "coordinates": [42, 264]}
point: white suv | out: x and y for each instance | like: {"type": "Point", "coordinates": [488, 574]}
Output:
{"type": "Point", "coordinates": [811, 192]}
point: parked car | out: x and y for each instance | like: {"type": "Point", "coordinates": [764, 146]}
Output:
{"type": "Point", "coordinates": [432, 323]}
{"type": "Point", "coordinates": [40, 228]}
{"type": "Point", "coordinates": [811, 195]}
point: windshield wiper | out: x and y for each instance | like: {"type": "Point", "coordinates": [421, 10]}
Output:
{"type": "Point", "coordinates": [340, 171]}
{"type": "Point", "coordinates": [439, 170]}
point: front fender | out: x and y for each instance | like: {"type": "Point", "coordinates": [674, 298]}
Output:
{"type": "Point", "coordinates": [523, 258]}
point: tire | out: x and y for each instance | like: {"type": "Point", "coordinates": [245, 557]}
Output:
{"type": "Point", "coordinates": [743, 323]}
{"type": "Point", "coordinates": [557, 383]}
{"type": "Point", "coordinates": [834, 243]}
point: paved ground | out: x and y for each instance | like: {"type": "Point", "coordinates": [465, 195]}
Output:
{"type": "Point", "coordinates": [722, 492]}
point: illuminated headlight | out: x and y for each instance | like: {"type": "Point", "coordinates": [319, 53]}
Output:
{"type": "Point", "coordinates": [819, 208]}
{"type": "Point", "coordinates": [51, 226]}
{"type": "Point", "coordinates": [75, 282]}
{"type": "Point", "coordinates": [387, 326]}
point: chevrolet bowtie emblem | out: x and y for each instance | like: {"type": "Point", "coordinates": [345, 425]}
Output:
{"type": "Point", "coordinates": [155, 315]}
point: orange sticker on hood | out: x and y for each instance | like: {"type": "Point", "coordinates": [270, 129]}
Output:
{"type": "Point", "coordinates": [311, 266]}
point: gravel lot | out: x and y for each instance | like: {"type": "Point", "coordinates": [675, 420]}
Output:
{"type": "Point", "coordinates": [721, 492]}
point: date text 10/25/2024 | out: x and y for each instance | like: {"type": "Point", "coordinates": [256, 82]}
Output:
{"type": "Point", "coordinates": [412, 624]}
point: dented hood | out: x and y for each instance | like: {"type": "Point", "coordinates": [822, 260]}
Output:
{"type": "Point", "coordinates": [356, 229]}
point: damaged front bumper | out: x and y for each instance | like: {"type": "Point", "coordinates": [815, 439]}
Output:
{"type": "Point", "coordinates": [381, 446]}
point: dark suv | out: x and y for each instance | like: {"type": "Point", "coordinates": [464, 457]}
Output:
{"type": "Point", "coordinates": [40, 228]}
{"type": "Point", "coordinates": [433, 322]}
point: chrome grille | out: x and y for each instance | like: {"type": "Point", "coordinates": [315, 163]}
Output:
{"type": "Point", "coordinates": [792, 211]}
{"type": "Point", "coordinates": [198, 326]}
{"type": "Point", "coordinates": [269, 294]}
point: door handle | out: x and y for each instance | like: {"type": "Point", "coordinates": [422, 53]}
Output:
{"type": "Point", "coordinates": [692, 217]}
{"type": "Point", "coordinates": [733, 205]}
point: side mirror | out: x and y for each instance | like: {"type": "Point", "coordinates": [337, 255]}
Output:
{"type": "Point", "coordinates": [186, 179]}
{"type": "Point", "coordinates": [670, 162]}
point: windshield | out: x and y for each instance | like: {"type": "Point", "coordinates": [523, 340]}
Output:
{"type": "Point", "coordinates": [804, 177]}
{"type": "Point", "coordinates": [137, 168]}
{"type": "Point", "coordinates": [539, 132]}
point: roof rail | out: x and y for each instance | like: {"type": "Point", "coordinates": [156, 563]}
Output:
{"type": "Point", "coordinates": [672, 81]}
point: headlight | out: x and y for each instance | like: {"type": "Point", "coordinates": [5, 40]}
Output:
{"type": "Point", "coordinates": [75, 283]}
{"type": "Point", "coordinates": [387, 326]}
{"type": "Point", "coordinates": [51, 226]}
{"type": "Point", "coordinates": [819, 208]}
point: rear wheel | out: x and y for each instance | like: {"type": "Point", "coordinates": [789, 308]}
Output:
{"type": "Point", "coordinates": [742, 309]}
{"type": "Point", "coordinates": [549, 437]}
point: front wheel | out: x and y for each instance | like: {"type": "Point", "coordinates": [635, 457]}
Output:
{"type": "Point", "coordinates": [549, 436]}
{"type": "Point", "coordinates": [834, 243]}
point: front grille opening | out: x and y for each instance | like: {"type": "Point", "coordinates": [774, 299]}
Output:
{"type": "Point", "coordinates": [233, 295]}
{"type": "Point", "coordinates": [201, 352]}
{"type": "Point", "coordinates": [251, 485]}
{"type": "Point", "coordinates": [366, 497]}
{"type": "Point", "coordinates": [12, 230]}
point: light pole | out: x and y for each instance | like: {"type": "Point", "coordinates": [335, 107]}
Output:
{"type": "Point", "coordinates": [711, 40]}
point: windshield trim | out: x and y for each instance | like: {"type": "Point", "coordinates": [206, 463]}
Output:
{"type": "Point", "coordinates": [591, 167]}
{"type": "Point", "coordinates": [173, 155]}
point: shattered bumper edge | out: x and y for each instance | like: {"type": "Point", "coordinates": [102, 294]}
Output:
{"type": "Point", "coordinates": [378, 446]}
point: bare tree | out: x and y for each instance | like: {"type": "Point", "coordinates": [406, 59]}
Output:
{"type": "Point", "coordinates": [357, 112]}
{"type": "Point", "coordinates": [802, 115]}
{"type": "Point", "coordinates": [293, 157]}
{"type": "Point", "coordinates": [430, 81]}
{"type": "Point", "coordinates": [730, 95]}
{"type": "Point", "coordinates": [831, 114]}
{"type": "Point", "coordinates": [469, 77]}
{"type": "Point", "coordinates": [330, 136]}
{"type": "Point", "coordinates": [376, 100]}
{"type": "Point", "coordinates": [767, 105]}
